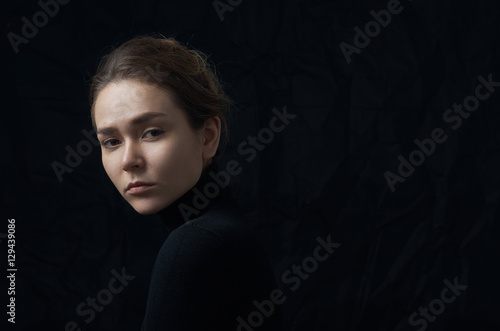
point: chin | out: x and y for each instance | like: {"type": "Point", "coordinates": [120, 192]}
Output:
{"type": "Point", "coordinates": [149, 206]}
{"type": "Point", "coordinates": [146, 207]}
{"type": "Point", "coordinates": [145, 211]}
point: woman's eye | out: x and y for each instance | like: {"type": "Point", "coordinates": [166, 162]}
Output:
{"type": "Point", "coordinates": [153, 133]}
{"type": "Point", "coordinates": [110, 143]}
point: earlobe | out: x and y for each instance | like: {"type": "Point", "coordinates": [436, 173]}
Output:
{"type": "Point", "coordinates": [212, 131]}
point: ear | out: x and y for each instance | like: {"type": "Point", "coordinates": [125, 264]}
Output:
{"type": "Point", "coordinates": [211, 136]}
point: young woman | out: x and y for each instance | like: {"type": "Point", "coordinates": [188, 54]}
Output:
{"type": "Point", "coordinates": [159, 113]}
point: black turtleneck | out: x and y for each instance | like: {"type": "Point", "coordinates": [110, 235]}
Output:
{"type": "Point", "coordinates": [207, 192]}
{"type": "Point", "coordinates": [210, 273]}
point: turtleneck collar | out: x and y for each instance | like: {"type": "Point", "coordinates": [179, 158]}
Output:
{"type": "Point", "coordinates": [206, 193]}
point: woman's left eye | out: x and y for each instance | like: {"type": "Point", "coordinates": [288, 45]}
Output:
{"type": "Point", "coordinates": [153, 133]}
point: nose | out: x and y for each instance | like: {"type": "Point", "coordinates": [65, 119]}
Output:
{"type": "Point", "coordinates": [132, 157]}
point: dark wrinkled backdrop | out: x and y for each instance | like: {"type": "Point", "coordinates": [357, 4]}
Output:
{"type": "Point", "coordinates": [323, 175]}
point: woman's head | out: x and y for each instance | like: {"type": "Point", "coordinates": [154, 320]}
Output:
{"type": "Point", "coordinates": [158, 111]}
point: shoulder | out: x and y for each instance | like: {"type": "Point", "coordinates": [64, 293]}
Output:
{"type": "Point", "coordinates": [223, 231]}
{"type": "Point", "coordinates": [211, 267]}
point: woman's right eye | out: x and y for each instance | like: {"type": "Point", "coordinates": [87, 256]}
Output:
{"type": "Point", "coordinates": [110, 143]}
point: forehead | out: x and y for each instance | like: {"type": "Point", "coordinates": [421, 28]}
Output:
{"type": "Point", "coordinates": [126, 99]}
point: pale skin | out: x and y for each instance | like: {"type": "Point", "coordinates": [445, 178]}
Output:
{"type": "Point", "coordinates": [145, 137]}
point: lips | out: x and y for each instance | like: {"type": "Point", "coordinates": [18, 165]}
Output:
{"type": "Point", "coordinates": [138, 187]}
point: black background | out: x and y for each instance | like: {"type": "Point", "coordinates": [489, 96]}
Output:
{"type": "Point", "coordinates": [323, 175]}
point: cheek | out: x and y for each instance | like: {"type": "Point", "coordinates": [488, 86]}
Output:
{"type": "Point", "coordinates": [181, 159]}
{"type": "Point", "coordinates": [109, 167]}
{"type": "Point", "coordinates": [174, 157]}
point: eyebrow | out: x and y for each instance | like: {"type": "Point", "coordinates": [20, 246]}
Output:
{"type": "Point", "coordinates": [135, 121]}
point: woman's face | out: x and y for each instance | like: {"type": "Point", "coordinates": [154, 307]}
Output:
{"type": "Point", "coordinates": [146, 140]}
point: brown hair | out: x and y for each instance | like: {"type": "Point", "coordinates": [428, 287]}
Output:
{"type": "Point", "coordinates": [167, 64]}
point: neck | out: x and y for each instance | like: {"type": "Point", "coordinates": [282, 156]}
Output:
{"type": "Point", "coordinates": [195, 202]}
